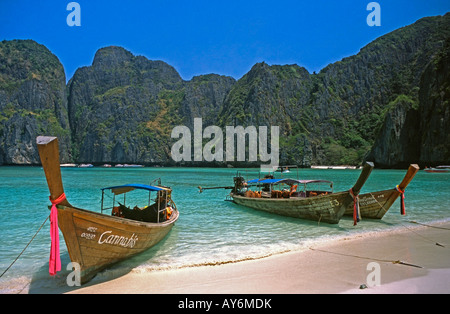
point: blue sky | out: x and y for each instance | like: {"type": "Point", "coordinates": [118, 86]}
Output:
{"type": "Point", "coordinates": [201, 37]}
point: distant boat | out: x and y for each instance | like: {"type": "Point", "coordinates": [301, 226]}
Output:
{"type": "Point", "coordinates": [375, 205]}
{"type": "Point", "coordinates": [68, 165]}
{"type": "Point", "coordinates": [96, 240]}
{"type": "Point", "coordinates": [439, 169]}
{"type": "Point", "coordinates": [86, 166]}
{"type": "Point", "coordinates": [128, 166]}
{"type": "Point", "coordinates": [312, 204]}
{"type": "Point", "coordinates": [334, 167]}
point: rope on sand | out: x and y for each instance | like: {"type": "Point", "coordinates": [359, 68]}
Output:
{"type": "Point", "coordinates": [368, 258]}
{"type": "Point", "coordinates": [391, 261]}
{"type": "Point", "coordinates": [430, 226]}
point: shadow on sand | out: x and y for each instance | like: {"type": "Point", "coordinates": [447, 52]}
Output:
{"type": "Point", "coordinates": [43, 283]}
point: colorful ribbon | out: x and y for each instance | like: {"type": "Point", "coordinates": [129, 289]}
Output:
{"type": "Point", "coordinates": [54, 262]}
{"type": "Point", "coordinates": [356, 212]}
{"type": "Point", "coordinates": [402, 200]}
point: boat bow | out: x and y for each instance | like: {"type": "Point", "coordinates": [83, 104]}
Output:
{"type": "Point", "coordinates": [94, 240]}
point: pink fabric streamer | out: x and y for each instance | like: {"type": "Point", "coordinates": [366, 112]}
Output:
{"type": "Point", "coordinates": [402, 200]}
{"type": "Point", "coordinates": [54, 262]}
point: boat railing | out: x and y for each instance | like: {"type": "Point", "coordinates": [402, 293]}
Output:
{"type": "Point", "coordinates": [276, 190]}
{"type": "Point", "coordinates": [163, 200]}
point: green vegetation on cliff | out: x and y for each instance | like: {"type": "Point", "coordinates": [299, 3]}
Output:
{"type": "Point", "coordinates": [123, 107]}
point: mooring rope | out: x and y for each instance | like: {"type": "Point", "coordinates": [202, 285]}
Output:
{"type": "Point", "coordinates": [423, 237]}
{"type": "Point", "coordinates": [391, 261]}
{"type": "Point", "coordinates": [381, 205]}
{"type": "Point", "coordinates": [431, 226]}
{"type": "Point", "coordinates": [367, 258]}
{"type": "Point", "coordinates": [25, 247]}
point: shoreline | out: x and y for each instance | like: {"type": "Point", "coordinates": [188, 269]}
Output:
{"type": "Point", "coordinates": [411, 259]}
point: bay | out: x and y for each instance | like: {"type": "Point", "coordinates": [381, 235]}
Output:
{"type": "Point", "coordinates": [210, 230]}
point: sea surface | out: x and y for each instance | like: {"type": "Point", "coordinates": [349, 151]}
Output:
{"type": "Point", "coordinates": [210, 230]}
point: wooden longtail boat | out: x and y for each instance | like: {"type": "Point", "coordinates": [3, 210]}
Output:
{"type": "Point", "coordinates": [375, 204]}
{"type": "Point", "coordinates": [322, 207]}
{"type": "Point", "coordinates": [96, 240]}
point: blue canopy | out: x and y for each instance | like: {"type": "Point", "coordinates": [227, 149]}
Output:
{"type": "Point", "coordinates": [130, 187]}
{"type": "Point", "coordinates": [265, 180]}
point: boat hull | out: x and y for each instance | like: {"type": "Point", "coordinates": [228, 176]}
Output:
{"type": "Point", "coordinates": [374, 205]}
{"type": "Point", "coordinates": [96, 241]}
{"type": "Point", "coordinates": [324, 208]}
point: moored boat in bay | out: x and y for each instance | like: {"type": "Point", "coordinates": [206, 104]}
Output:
{"type": "Point", "coordinates": [375, 205]}
{"type": "Point", "coordinates": [318, 205]}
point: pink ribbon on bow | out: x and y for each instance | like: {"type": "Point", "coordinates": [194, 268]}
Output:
{"type": "Point", "coordinates": [402, 200]}
{"type": "Point", "coordinates": [356, 213]}
{"type": "Point", "coordinates": [54, 262]}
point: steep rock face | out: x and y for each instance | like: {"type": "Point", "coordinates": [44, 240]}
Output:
{"type": "Point", "coordinates": [360, 90]}
{"type": "Point", "coordinates": [121, 106]}
{"type": "Point", "coordinates": [204, 98]}
{"type": "Point", "coordinates": [418, 131]}
{"type": "Point", "coordinates": [397, 145]}
{"type": "Point", "coordinates": [388, 99]}
{"type": "Point", "coordinates": [32, 101]}
{"type": "Point", "coordinates": [275, 96]}
{"type": "Point", "coordinates": [434, 110]}
{"type": "Point", "coordinates": [124, 107]}
{"type": "Point", "coordinates": [334, 117]}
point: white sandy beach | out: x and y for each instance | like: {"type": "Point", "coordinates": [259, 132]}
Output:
{"type": "Point", "coordinates": [340, 266]}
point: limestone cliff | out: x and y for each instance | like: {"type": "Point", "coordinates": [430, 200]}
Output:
{"type": "Point", "coordinates": [32, 101]}
{"type": "Point", "coordinates": [389, 103]}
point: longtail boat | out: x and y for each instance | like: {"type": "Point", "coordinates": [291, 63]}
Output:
{"type": "Point", "coordinates": [375, 205]}
{"type": "Point", "coordinates": [318, 205]}
{"type": "Point", "coordinates": [96, 240]}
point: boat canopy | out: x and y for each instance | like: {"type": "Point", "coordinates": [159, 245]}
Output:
{"type": "Point", "coordinates": [287, 181]}
{"type": "Point", "coordinates": [130, 187]}
{"type": "Point", "coordinates": [271, 181]}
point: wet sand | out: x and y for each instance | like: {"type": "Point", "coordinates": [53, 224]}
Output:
{"type": "Point", "coordinates": [413, 259]}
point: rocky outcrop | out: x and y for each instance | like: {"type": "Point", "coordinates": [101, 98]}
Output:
{"type": "Point", "coordinates": [418, 131]}
{"type": "Point", "coordinates": [124, 107]}
{"type": "Point", "coordinates": [434, 110]}
{"type": "Point", "coordinates": [390, 99]}
{"type": "Point", "coordinates": [396, 144]}
{"type": "Point", "coordinates": [204, 98]}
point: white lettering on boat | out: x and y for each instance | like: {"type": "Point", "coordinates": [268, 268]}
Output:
{"type": "Point", "coordinates": [114, 239]}
{"type": "Point", "coordinates": [90, 235]}
{"type": "Point", "coordinates": [87, 235]}
{"type": "Point", "coordinates": [334, 203]}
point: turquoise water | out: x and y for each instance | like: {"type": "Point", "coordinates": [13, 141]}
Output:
{"type": "Point", "coordinates": [209, 231]}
